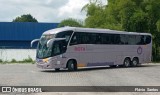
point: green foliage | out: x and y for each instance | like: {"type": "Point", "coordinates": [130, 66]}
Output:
{"type": "Point", "coordinates": [158, 25]}
{"type": "Point", "coordinates": [25, 18]}
{"type": "Point", "coordinates": [127, 15]}
{"type": "Point", "coordinates": [95, 14]}
{"type": "Point", "coordinates": [28, 60]}
{"type": "Point", "coordinates": [1, 60]}
{"type": "Point", "coordinates": [70, 22]}
{"type": "Point", "coordinates": [13, 61]}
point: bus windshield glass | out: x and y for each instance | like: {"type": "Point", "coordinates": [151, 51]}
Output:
{"type": "Point", "coordinates": [57, 48]}
{"type": "Point", "coordinates": [43, 51]}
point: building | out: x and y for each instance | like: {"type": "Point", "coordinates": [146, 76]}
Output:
{"type": "Point", "coordinates": [18, 35]}
{"type": "Point", "coordinates": [15, 39]}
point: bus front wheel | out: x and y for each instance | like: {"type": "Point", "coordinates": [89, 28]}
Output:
{"type": "Point", "coordinates": [72, 65]}
{"type": "Point", "coordinates": [126, 62]}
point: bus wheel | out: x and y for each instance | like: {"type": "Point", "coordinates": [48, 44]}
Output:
{"type": "Point", "coordinates": [135, 62]}
{"type": "Point", "coordinates": [126, 62]}
{"type": "Point", "coordinates": [72, 65]}
{"type": "Point", "coordinates": [57, 69]}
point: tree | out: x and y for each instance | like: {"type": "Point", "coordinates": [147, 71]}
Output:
{"type": "Point", "coordinates": [102, 16]}
{"type": "Point", "coordinates": [127, 15]}
{"type": "Point", "coordinates": [95, 14]}
{"type": "Point", "coordinates": [70, 22]}
{"type": "Point", "coordinates": [25, 18]}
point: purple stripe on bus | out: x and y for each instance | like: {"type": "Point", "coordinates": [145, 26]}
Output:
{"type": "Point", "coordinates": [100, 64]}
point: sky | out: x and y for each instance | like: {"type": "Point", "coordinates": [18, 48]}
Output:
{"type": "Point", "coordinates": [43, 10]}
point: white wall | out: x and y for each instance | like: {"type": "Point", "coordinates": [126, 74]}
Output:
{"type": "Point", "coordinates": [17, 54]}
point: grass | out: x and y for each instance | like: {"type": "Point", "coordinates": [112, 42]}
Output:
{"type": "Point", "coordinates": [28, 60]}
{"type": "Point", "coordinates": [13, 61]}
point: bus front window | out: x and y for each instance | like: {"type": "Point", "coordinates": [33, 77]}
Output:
{"type": "Point", "coordinates": [43, 51]}
{"type": "Point", "coordinates": [58, 47]}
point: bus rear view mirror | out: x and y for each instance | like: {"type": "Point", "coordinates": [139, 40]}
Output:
{"type": "Point", "coordinates": [50, 42]}
{"type": "Point", "coordinates": [33, 41]}
{"type": "Point", "coordinates": [59, 39]}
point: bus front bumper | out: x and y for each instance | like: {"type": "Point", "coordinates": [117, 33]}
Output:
{"type": "Point", "coordinates": [44, 66]}
{"type": "Point", "coordinates": [48, 64]}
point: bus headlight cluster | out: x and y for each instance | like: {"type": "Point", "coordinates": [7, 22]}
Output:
{"type": "Point", "coordinates": [46, 60]}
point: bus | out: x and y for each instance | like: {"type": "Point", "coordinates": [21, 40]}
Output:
{"type": "Point", "coordinates": [74, 47]}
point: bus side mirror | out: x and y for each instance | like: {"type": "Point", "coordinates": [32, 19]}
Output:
{"type": "Point", "coordinates": [33, 41]}
{"type": "Point", "coordinates": [50, 42]}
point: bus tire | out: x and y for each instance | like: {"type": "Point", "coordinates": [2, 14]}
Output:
{"type": "Point", "coordinates": [57, 69]}
{"type": "Point", "coordinates": [72, 65]}
{"type": "Point", "coordinates": [127, 62]}
{"type": "Point", "coordinates": [135, 62]}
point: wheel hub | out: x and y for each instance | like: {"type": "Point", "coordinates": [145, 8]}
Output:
{"type": "Point", "coordinates": [134, 62]}
{"type": "Point", "coordinates": [127, 63]}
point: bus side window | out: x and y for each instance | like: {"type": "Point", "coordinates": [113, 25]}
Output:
{"type": "Point", "coordinates": [147, 39]}
{"type": "Point", "coordinates": [138, 39]}
{"type": "Point", "coordinates": [85, 38]}
{"type": "Point", "coordinates": [104, 38]}
{"type": "Point", "coordinates": [142, 40]}
{"type": "Point", "coordinates": [74, 39]}
{"type": "Point", "coordinates": [123, 39]}
{"type": "Point", "coordinates": [56, 48]}
{"type": "Point", "coordinates": [98, 38]}
{"type": "Point", "coordinates": [131, 39]}
{"type": "Point", "coordinates": [59, 47]}
{"type": "Point", "coordinates": [63, 46]}
{"type": "Point", "coordinates": [111, 36]}
{"type": "Point", "coordinates": [117, 39]}
{"type": "Point", "coordinates": [65, 34]}
{"type": "Point", "coordinates": [93, 38]}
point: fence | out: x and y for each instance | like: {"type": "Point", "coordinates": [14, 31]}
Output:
{"type": "Point", "coordinates": [17, 54]}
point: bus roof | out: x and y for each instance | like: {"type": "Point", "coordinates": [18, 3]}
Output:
{"type": "Point", "coordinates": [93, 30]}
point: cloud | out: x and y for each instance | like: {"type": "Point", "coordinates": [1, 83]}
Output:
{"type": "Point", "coordinates": [42, 10]}
{"type": "Point", "coordinates": [72, 9]}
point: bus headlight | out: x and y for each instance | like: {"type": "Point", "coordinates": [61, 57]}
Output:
{"type": "Point", "coordinates": [46, 60]}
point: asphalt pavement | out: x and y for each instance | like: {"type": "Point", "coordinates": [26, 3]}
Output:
{"type": "Point", "coordinates": [30, 75]}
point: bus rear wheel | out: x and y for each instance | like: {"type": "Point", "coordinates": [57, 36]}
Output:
{"type": "Point", "coordinates": [135, 62]}
{"type": "Point", "coordinates": [72, 65]}
{"type": "Point", "coordinates": [126, 62]}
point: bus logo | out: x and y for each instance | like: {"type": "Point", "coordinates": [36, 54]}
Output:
{"type": "Point", "coordinates": [139, 50]}
{"type": "Point", "coordinates": [79, 49]}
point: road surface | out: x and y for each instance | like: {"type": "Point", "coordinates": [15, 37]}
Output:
{"type": "Point", "coordinates": [30, 75]}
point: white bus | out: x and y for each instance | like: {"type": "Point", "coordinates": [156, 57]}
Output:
{"type": "Point", "coordinates": [73, 47]}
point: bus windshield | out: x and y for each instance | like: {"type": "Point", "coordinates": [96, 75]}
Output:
{"type": "Point", "coordinates": [57, 48]}
{"type": "Point", "coordinates": [43, 51]}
